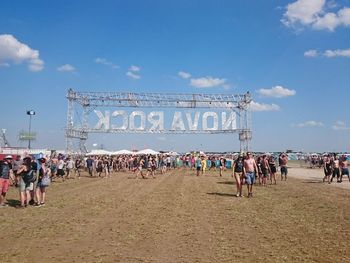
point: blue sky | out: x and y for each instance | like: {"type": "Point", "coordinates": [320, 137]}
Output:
{"type": "Point", "coordinates": [293, 56]}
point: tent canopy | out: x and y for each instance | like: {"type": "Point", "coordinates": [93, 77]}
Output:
{"type": "Point", "coordinates": [146, 152]}
{"type": "Point", "coordinates": [98, 152]}
{"type": "Point", "coordinates": [122, 152]}
{"type": "Point", "coordinates": [172, 153]}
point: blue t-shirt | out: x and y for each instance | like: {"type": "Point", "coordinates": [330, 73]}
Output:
{"type": "Point", "coordinates": [89, 162]}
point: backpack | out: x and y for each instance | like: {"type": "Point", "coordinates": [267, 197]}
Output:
{"type": "Point", "coordinates": [29, 177]}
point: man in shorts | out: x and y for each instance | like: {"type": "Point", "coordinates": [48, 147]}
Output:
{"type": "Point", "coordinates": [5, 175]}
{"type": "Point", "coordinates": [250, 169]}
{"type": "Point", "coordinates": [283, 164]}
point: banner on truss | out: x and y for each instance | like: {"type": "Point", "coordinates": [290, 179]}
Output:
{"type": "Point", "coordinates": [160, 121]}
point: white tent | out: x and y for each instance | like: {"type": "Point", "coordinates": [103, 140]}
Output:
{"type": "Point", "coordinates": [122, 152]}
{"type": "Point", "coordinates": [98, 152]}
{"type": "Point", "coordinates": [172, 153]}
{"type": "Point", "coordinates": [146, 152]}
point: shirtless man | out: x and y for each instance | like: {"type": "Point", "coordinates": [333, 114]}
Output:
{"type": "Point", "coordinates": [336, 169]}
{"type": "Point", "coordinates": [250, 169]}
{"type": "Point", "coordinates": [344, 168]}
{"type": "Point", "coordinates": [283, 164]}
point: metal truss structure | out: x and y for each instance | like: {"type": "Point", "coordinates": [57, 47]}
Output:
{"type": "Point", "coordinates": [88, 101]}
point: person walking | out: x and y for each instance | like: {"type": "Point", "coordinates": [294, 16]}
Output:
{"type": "Point", "coordinates": [5, 175]}
{"type": "Point", "coordinates": [238, 174]}
{"type": "Point", "coordinates": [250, 169]}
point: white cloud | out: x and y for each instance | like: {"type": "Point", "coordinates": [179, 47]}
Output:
{"type": "Point", "coordinates": [337, 53]}
{"type": "Point", "coordinates": [304, 12]}
{"type": "Point", "coordinates": [134, 68]}
{"type": "Point", "coordinates": [207, 82]}
{"type": "Point", "coordinates": [312, 53]}
{"type": "Point", "coordinates": [340, 126]}
{"type": "Point", "coordinates": [313, 13]}
{"type": "Point", "coordinates": [328, 53]}
{"type": "Point", "coordinates": [132, 75]}
{"type": "Point", "coordinates": [255, 106]}
{"type": "Point", "coordinates": [184, 74]}
{"type": "Point", "coordinates": [276, 92]}
{"type": "Point", "coordinates": [11, 50]}
{"type": "Point", "coordinates": [104, 61]}
{"type": "Point", "coordinates": [310, 124]}
{"type": "Point", "coordinates": [66, 68]}
{"type": "Point", "coordinates": [329, 21]}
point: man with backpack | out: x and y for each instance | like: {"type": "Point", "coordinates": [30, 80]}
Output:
{"type": "Point", "coordinates": [5, 175]}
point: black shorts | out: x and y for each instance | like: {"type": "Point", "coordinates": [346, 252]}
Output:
{"type": "Point", "coordinates": [60, 172]}
{"type": "Point", "coordinates": [199, 168]}
{"type": "Point", "coordinates": [273, 169]}
{"type": "Point", "coordinates": [284, 170]}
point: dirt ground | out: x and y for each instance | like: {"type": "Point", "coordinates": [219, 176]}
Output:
{"type": "Point", "coordinates": [179, 217]}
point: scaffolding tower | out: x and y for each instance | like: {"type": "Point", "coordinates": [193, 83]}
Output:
{"type": "Point", "coordinates": [89, 101]}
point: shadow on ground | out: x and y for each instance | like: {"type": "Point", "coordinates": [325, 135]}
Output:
{"type": "Point", "coordinates": [228, 182]}
{"type": "Point", "coordinates": [13, 202]}
{"type": "Point", "coordinates": [222, 194]}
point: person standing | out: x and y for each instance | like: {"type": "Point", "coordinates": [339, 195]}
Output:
{"type": "Point", "coordinates": [16, 164]}
{"type": "Point", "coordinates": [198, 165]}
{"type": "Point", "coordinates": [40, 190]}
{"type": "Point", "coordinates": [238, 174]}
{"type": "Point", "coordinates": [250, 169]}
{"type": "Point", "coordinates": [273, 169]}
{"type": "Point", "coordinates": [90, 165]}
{"type": "Point", "coordinates": [78, 166]}
{"type": "Point", "coordinates": [69, 167]}
{"type": "Point", "coordinates": [328, 170]}
{"type": "Point", "coordinates": [336, 169]}
{"type": "Point", "coordinates": [24, 186]}
{"type": "Point", "coordinates": [283, 160]}
{"type": "Point", "coordinates": [5, 175]}
{"type": "Point", "coordinates": [60, 168]}
{"type": "Point", "coordinates": [344, 168]}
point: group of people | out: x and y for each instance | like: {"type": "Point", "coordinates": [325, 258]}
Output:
{"type": "Point", "coordinates": [335, 166]}
{"type": "Point", "coordinates": [30, 176]}
{"type": "Point", "coordinates": [248, 170]}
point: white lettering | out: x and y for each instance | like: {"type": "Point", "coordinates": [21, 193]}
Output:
{"type": "Point", "coordinates": [230, 122]}
{"type": "Point", "coordinates": [103, 121]}
{"type": "Point", "coordinates": [193, 125]}
{"type": "Point", "coordinates": [158, 123]}
{"type": "Point", "coordinates": [142, 116]}
{"type": "Point", "coordinates": [124, 116]}
{"type": "Point", "coordinates": [178, 123]}
{"type": "Point", "coordinates": [215, 117]}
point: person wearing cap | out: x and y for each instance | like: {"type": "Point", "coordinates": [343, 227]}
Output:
{"type": "Point", "coordinates": [250, 169]}
{"type": "Point", "coordinates": [5, 175]}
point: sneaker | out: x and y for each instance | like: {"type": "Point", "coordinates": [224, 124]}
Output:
{"type": "Point", "coordinates": [238, 195]}
{"type": "Point", "coordinates": [42, 204]}
{"type": "Point", "coordinates": [37, 205]}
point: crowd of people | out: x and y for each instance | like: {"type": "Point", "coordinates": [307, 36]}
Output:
{"type": "Point", "coordinates": [32, 176]}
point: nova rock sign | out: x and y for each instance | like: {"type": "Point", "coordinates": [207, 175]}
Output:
{"type": "Point", "coordinates": [154, 121]}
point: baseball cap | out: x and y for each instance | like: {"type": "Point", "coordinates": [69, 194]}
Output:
{"type": "Point", "coordinates": [8, 157]}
